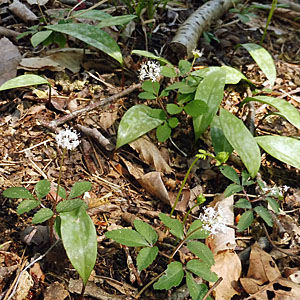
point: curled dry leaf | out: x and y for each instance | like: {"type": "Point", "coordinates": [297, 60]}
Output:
{"type": "Point", "coordinates": [55, 291]}
{"type": "Point", "coordinates": [150, 154]}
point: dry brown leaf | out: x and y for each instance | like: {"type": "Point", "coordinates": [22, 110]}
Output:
{"type": "Point", "coordinates": [154, 185]}
{"type": "Point", "coordinates": [150, 154]}
{"type": "Point", "coordinates": [107, 119]}
{"type": "Point", "coordinates": [40, 63]}
{"type": "Point", "coordinates": [228, 266]}
{"type": "Point", "coordinates": [9, 60]}
{"type": "Point", "coordinates": [55, 291]}
{"type": "Point", "coordinates": [25, 284]}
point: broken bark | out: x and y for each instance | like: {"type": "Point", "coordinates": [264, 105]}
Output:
{"type": "Point", "coordinates": [186, 38]}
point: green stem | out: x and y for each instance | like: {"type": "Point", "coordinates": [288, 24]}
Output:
{"type": "Point", "coordinates": [189, 211]}
{"type": "Point", "coordinates": [183, 184]}
{"type": "Point", "coordinates": [274, 4]}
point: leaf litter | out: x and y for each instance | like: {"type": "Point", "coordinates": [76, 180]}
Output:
{"type": "Point", "coordinates": [28, 152]}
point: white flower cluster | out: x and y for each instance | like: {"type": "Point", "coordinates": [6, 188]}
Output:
{"type": "Point", "coordinates": [68, 139]}
{"type": "Point", "coordinates": [197, 53]}
{"type": "Point", "coordinates": [212, 220]}
{"type": "Point", "coordinates": [150, 70]}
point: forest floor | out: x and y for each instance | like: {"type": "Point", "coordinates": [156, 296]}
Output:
{"type": "Point", "coordinates": [121, 191]}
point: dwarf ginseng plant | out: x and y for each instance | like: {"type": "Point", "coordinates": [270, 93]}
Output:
{"type": "Point", "coordinates": [67, 216]}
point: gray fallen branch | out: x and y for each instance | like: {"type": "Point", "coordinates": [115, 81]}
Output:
{"type": "Point", "coordinates": [187, 36]}
{"type": "Point", "coordinates": [294, 6]}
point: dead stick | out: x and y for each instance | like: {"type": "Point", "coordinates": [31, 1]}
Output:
{"type": "Point", "coordinates": [53, 124]}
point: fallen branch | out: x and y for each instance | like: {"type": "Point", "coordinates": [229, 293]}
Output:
{"type": "Point", "coordinates": [53, 124]}
{"type": "Point", "coordinates": [187, 36]}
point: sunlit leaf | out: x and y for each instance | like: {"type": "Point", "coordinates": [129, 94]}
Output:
{"type": "Point", "coordinates": [283, 148]}
{"type": "Point", "coordinates": [17, 192]}
{"type": "Point", "coordinates": [196, 108]}
{"type": "Point", "coordinates": [230, 173]}
{"type": "Point", "coordinates": [210, 90]}
{"type": "Point", "coordinates": [202, 251]}
{"type": "Point", "coordinates": [80, 241]}
{"type": "Point", "coordinates": [199, 233]}
{"type": "Point", "coordinates": [27, 205]}
{"type": "Point", "coordinates": [42, 188]}
{"type": "Point", "coordinates": [163, 132]}
{"type": "Point", "coordinates": [22, 81]}
{"type": "Point", "coordinates": [264, 60]}
{"type": "Point", "coordinates": [116, 20]}
{"type": "Point", "coordinates": [197, 291]}
{"type": "Point", "coordinates": [68, 205]}
{"type": "Point", "coordinates": [93, 36]}
{"type": "Point", "coordinates": [173, 109]}
{"type": "Point", "coordinates": [135, 123]}
{"type": "Point", "coordinates": [39, 37]}
{"type": "Point", "coordinates": [42, 215]}
{"type": "Point", "coordinates": [232, 189]}
{"type": "Point", "coordinates": [243, 203]}
{"type": "Point", "coordinates": [274, 204]}
{"type": "Point", "coordinates": [151, 55]}
{"type": "Point", "coordinates": [93, 14]}
{"type": "Point", "coordinates": [173, 277]}
{"type": "Point", "coordinates": [241, 140]}
{"type": "Point", "coordinates": [285, 109]}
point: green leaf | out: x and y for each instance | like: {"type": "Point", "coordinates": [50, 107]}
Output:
{"type": "Point", "coordinates": [233, 76]}
{"type": "Point", "coordinates": [274, 204]}
{"type": "Point", "coordinates": [42, 215]}
{"type": "Point", "coordinates": [79, 188]}
{"type": "Point", "coordinates": [27, 205]}
{"type": "Point", "coordinates": [146, 231]}
{"type": "Point", "coordinates": [127, 237]}
{"type": "Point", "coordinates": [173, 109]}
{"type": "Point", "coordinates": [245, 220]}
{"type": "Point", "coordinates": [39, 37]}
{"type": "Point", "coordinates": [202, 270]}
{"type": "Point", "coordinates": [243, 203]}
{"type": "Point", "coordinates": [232, 189]}
{"type": "Point", "coordinates": [157, 113]}
{"type": "Point", "coordinates": [264, 60]}
{"type": "Point", "coordinates": [230, 173]}
{"type": "Point", "coordinates": [195, 108]}
{"type": "Point", "coordinates": [57, 225]}
{"type": "Point", "coordinates": [168, 71]}
{"type": "Point", "coordinates": [68, 205]}
{"type": "Point", "coordinates": [173, 122]}
{"type": "Point", "coordinates": [285, 109]}
{"type": "Point", "coordinates": [147, 96]}
{"type": "Point", "coordinates": [22, 81]}
{"type": "Point", "coordinates": [116, 20]}
{"type": "Point", "coordinates": [176, 85]}
{"type": "Point", "coordinates": [202, 251]}
{"type": "Point", "coordinates": [176, 227]}
{"type": "Point", "coordinates": [42, 188]}
{"type": "Point", "coordinates": [184, 67]}
{"type": "Point", "coordinates": [62, 192]}
{"type": "Point", "coordinates": [264, 214]}
{"type": "Point", "coordinates": [93, 14]}
{"type": "Point", "coordinates": [146, 257]}
{"type": "Point", "coordinates": [17, 192]}
{"type": "Point", "coordinates": [80, 241]}
{"type": "Point", "coordinates": [163, 132]}
{"type": "Point", "coordinates": [93, 36]}
{"type": "Point", "coordinates": [219, 140]}
{"type": "Point", "coordinates": [210, 90]}
{"type": "Point", "coordinates": [200, 233]}
{"type": "Point", "coordinates": [187, 89]}
{"type": "Point", "coordinates": [151, 55]}
{"type": "Point", "coordinates": [246, 178]}
{"type": "Point", "coordinates": [173, 277]}
{"type": "Point", "coordinates": [241, 140]}
{"type": "Point", "coordinates": [150, 86]}
{"type": "Point", "coordinates": [283, 148]}
{"type": "Point", "coordinates": [184, 98]}
{"type": "Point", "coordinates": [197, 291]}
{"type": "Point", "coordinates": [135, 123]}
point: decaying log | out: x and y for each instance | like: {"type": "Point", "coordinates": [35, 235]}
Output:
{"type": "Point", "coordinates": [187, 36]}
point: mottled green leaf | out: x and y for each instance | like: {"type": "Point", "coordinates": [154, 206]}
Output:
{"type": "Point", "coordinates": [210, 90]}
{"type": "Point", "coordinates": [39, 37]}
{"type": "Point", "coordinates": [136, 122]}
{"type": "Point", "coordinates": [93, 36]}
{"type": "Point", "coordinates": [42, 188]}
{"type": "Point", "coordinates": [68, 205]}
{"type": "Point", "coordinates": [264, 60]}
{"type": "Point", "coordinates": [17, 192]}
{"type": "Point", "coordinates": [283, 148]}
{"type": "Point", "coordinates": [22, 81]}
{"type": "Point", "coordinates": [79, 188]}
{"type": "Point", "coordinates": [80, 241]}
{"type": "Point", "coordinates": [116, 20]}
{"type": "Point", "coordinates": [27, 205]}
{"type": "Point", "coordinates": [241, 140]}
